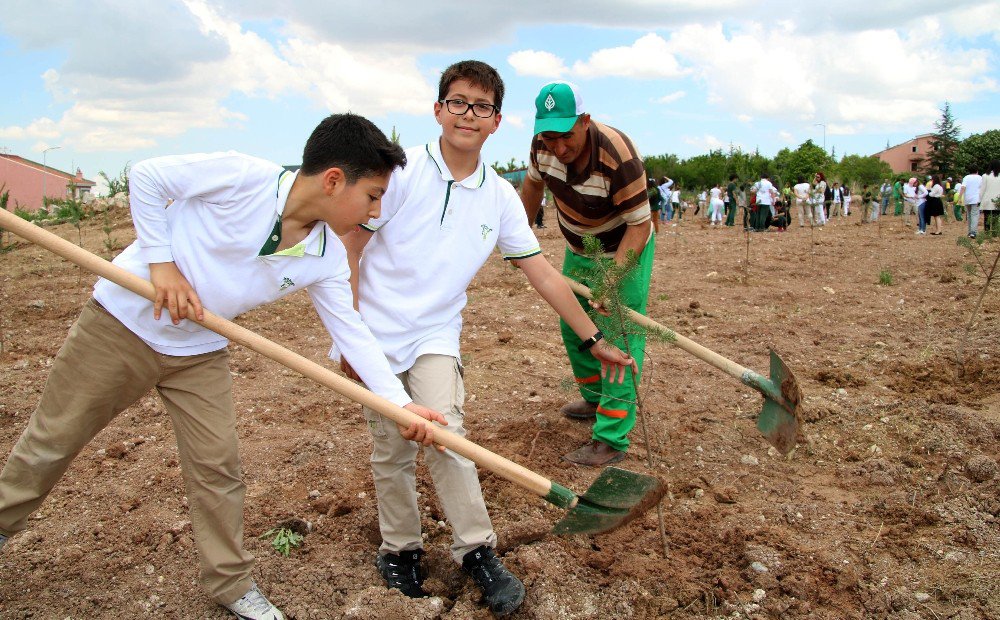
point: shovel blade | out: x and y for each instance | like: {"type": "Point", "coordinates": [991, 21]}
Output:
{"type": "Point", "coordinates": [779, 421]}
{"type": "Point", "coordinates": [616, 497]}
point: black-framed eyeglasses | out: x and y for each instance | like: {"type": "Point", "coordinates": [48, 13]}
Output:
{"type": "Point", "coordinates": [459, 107]}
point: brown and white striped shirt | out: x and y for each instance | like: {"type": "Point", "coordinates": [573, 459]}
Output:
{"type": "Point", "coordinates": [604, 198]}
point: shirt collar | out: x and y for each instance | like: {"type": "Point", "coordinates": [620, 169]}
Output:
{"type": "Point", "coordinates": [315, 241]}
{"type": "Point", "coordinates": [473, 181]}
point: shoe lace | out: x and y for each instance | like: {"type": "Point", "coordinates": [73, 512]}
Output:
{"type": "Point", "coordinates": [256, 600]}
{"type": "Point", "coordinates": [488, 570]}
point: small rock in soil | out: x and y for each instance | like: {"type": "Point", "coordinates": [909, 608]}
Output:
{"type": "Point", "coordinates": [749, 459]}
{"type": "Point", "coordinates": [757, 567]}
{"type": "Point", "coordinates": [981, 468]}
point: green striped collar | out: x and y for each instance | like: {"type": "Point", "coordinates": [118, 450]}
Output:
{"type": "Point", "coordinates": [473, 181]}
{"type": "Point", "coordinates": [315, 241]}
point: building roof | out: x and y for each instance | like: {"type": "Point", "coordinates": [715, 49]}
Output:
{"type": "Point", "coordinates": [74, 179]}
{"type": "Point", "coordinates": [913, 139]}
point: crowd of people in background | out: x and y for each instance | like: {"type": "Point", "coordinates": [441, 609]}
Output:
{"type": "Point", "coordinates": [815, 202]}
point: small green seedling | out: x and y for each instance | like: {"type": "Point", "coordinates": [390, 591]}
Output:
{"type": "Point", "coordinates": [283, 539]}
{"type": "Point", "coordinates": [885, 277]}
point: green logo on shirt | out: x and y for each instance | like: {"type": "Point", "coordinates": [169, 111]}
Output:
{"type": "Point", "coordinates": [285, 283]}
{"type": "Point", "coordinates": [486, 231]}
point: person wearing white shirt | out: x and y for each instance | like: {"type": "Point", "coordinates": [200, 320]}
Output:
{"type": "Point", "coordinates": [819, 197]}
{"type": "Point", "coordinates": [443, 217]}
{"type": "Point", "coordinates": [766, 194]}
{"type": "Point", "coordinates": [989, 191]}
{"type": "Point", "coordinates": [934, 205]}
{"type": "Point", "coordinates": [971, 186]}
{"type": "Point", "coordinates": [715, 205]}
{"type": "Point", "coordinates": [228, 232]}
{"type": "Point", "coordinates": [801, 192]}
{"type": "Point", "coordinates": [909, 199]}
{"type": "Point", "coordinates": [837, 200]}
{"type": "Point", "coordinates": [666, 185]}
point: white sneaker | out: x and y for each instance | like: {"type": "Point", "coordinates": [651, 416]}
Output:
{"type": "Point", "coordinates": [254, 606]}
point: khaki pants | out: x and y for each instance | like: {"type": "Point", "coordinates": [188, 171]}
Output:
{"type": "Point", "coordinates": [805, 213]}
{"type": "Point", "coordinates": [101, 369]}
{"type": "Point", "coordinates": [835, 210]}
{"type": "Point", "coordinates": [433, 381]}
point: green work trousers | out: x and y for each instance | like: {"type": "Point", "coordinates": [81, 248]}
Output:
{"type": "Point", "coordinates": [616, 402]}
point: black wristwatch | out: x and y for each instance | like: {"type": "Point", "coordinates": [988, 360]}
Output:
{"type": "Point", "coordinates": [589, 342]}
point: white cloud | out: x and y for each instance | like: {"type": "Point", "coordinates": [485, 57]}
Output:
{"type": "Point", "coordinates": [537, 63]}
{"type": "Point", "coordinates": [744, 118]}
{"type": "Point", "coordinates": [515, 120]}
{"type": "Point", "coordinates": [785, 136]}
{"type": "Point", "coordinates": [648, 58]}
{"type": "Point", "coordinates": [706, 142]}
{"type": "Point", "coordinates": [672, 97]}
{"type": "Point", "coordinates": [122, 108]}
{"type": "Point", "coordinates": [853, 80]}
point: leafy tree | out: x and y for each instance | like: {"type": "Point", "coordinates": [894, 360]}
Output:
{"type": "Point", "coordinates": [803, 162]}
{"type": "Point", "coordinates": [979, 149]}
{"type": "Point", "coordinates": [944, 145]}
{"type": "Point", "coordinates": [860, 170]}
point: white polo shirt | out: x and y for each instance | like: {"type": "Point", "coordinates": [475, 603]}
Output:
{"type": "Point", "coordinates": [433, 236]}
{"type": "Point", "coordinates": [972, 183]}
{"type": "Point", "coordinates": [221, 231]}
{"type": "Point", "coordinates": [764, 189]}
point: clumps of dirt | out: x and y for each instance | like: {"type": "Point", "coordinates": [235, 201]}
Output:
{"type": "Point", "coordinates": [839, 378]}
{"type": "Point", "coordinates": [879, 472]}
{"type": "Point", "coordinates": [935, 379]}
{"type": "Point", "coordinates": [981, 468]}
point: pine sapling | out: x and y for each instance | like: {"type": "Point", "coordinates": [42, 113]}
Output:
{"type": "Point", "coordinates": [975, 247]}
{"type": "Point", "coordinates": [606, 278]}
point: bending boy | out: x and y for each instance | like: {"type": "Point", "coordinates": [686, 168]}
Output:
{"type": "Point", "coordinates": [441, 220]}
{"type": "Point", "coordinates": [241, 232]}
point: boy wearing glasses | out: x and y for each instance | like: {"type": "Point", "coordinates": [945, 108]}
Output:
{"type": "Point", "coordinates": [451, 210]}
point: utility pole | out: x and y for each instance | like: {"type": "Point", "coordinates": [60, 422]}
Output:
{"type": "Point", "coordinates": [45, 172]}
{"type": "Point", "coordinates": [823, 125]}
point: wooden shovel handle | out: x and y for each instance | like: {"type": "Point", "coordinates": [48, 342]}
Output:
{"type": "Point", "coordinates": [727, 366]}
{"type": "Point", "coordinates": [481, 456]}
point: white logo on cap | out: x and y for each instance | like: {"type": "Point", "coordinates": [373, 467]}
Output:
{"type": "Point", "coordinates": [550, 102]}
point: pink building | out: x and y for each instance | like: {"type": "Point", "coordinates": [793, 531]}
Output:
{"type": "Point", "coordinates": [908, 156]}
{"type": "Point", "coordinates": [25, 180]}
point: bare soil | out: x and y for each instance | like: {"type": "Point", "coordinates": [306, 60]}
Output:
{"type": "Point", "coordinates": [888, 508]}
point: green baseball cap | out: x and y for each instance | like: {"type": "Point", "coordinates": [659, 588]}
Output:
{"type": "Point", "coordinates": [557, 107]}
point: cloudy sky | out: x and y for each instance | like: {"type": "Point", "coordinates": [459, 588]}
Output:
{"type": "Point", "coordinates": [116, 81]}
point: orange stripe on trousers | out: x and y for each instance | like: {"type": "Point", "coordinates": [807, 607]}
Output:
{"type": "Point", "coordinates": [613, 413]}
{"type": "Point", "coordinates": [592, 379]}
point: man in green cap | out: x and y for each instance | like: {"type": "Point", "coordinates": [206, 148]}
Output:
{"type": "Point", "coordinates": [598, 182]}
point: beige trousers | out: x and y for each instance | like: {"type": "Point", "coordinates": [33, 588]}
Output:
{"type": "Point", "coordinates": [805, 212]}
{"type": "Point", "coordinates": [101, 369]}
{"type": "Point", "coordinates": [433, 381]}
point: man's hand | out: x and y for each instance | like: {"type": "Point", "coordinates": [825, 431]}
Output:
{"type": "Point", "coordinates": [175, 292]}
{"type": "Point", "coordinates": [422, 432]}
{"type": "Point", "coordinates": [613, 361]}
{"type": "Point", "coordinates": [598, 306]}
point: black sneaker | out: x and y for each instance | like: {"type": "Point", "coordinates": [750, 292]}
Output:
{"type": "Point", "coordinates": [502, 591]}
{"type": "Point", "coordinates": [402, 572]}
